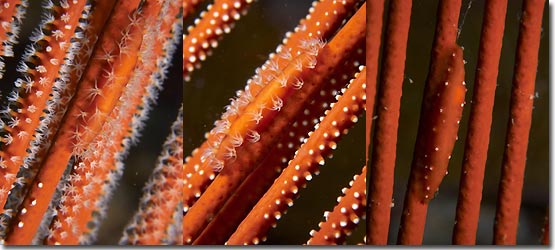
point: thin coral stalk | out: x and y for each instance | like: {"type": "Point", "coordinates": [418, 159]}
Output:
{"type": "Point", "coordinates": [345, 215]}
{"type": "Point", "coordinates": [253, 187]}
{"type": "Point", "coordinates": [388, 109]}
{"type": "Point", "coordinates": [520, 120]}
{"type": "Point", "coordinates": [477, 140]}
{"type": "Point", "coordinates": [374, 22]}
{"type": "Point", "coordinates": [299, 171]}
{"type": "Point", "coordinates": [121, 127]}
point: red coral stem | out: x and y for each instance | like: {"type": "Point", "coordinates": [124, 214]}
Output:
{"type": "Point", "coordinates": [522, 101]}
{"type": "Point", "coordinates": [477, 140]}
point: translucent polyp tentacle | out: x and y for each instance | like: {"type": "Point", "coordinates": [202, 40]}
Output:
{"type": "Point", "coordinates": [345, 215]}
{"type": "Point", "coordinates": [97, 95]}
{"type": "Point", "coordinates": [519, 124]}
{"type": "Point", "coordinates": [299, 171]}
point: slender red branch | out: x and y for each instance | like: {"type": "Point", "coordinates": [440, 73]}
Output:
{"type": "Point", "coordinates": [35, 92]}
{"type": "Point", "coordinates": [520, 120]}
{"type": "Point", "coordinates": [477, 139]}
{"type": "Point", "coordinates": [374, 22]}
{"type": "Point", "coordinates": [11, 12]}
{"type": "Point", "coordinates": [388, 108]}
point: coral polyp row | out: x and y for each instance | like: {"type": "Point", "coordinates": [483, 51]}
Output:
{"type": "Point", "coordinates": [94, 101]}
{"type": "Point", "coordinates": [107, 61]}
{"type": "Point", "coordinates": [345, 216]}
{"type": "Point", "coordinates": [260, 111]}
{"type": "Point", "coordinates": [29, 107]}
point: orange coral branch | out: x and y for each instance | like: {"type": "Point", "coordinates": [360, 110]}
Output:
{"type": "Point", "coordinates": [8, 10]}
{"type": "Point", "coordinates": [443, 66]}
{"type": "Point", "coordinates": [113, 137]}
{"type": "Point", "coordinates": [35, 91]}
{"type": "Point", "coordinates": [236, 208]}
{"type": "Point", "coordinates": [345, 215]}
{"type": "Point", "coordinates": [374, 23]}
{"type": "Point", "coordinates": [11, 13]}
